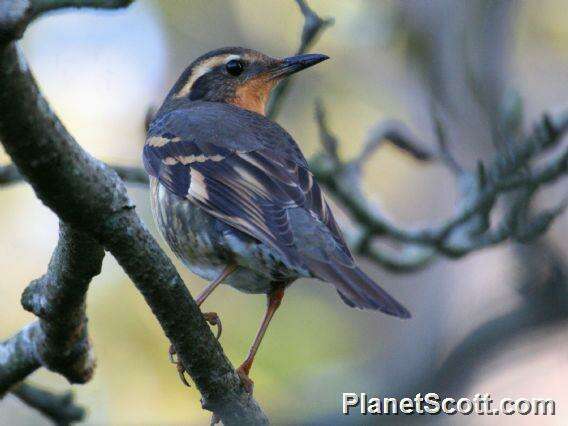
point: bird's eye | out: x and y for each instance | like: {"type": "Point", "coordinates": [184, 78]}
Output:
{"type": "Point", "coordinates": [235, 67]}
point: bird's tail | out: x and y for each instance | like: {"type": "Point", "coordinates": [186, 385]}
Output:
{"type": "Point", "coordinates": [356, 289]}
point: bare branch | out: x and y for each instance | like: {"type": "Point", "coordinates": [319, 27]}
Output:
{"type": "Point", "coordinates": [398, 134]}
{"type": "Point", "coordinates": [59, 340]}
{"type": "Point", "coordinates": [409, 258]}
{"type": "Point", "coordinates": [16, 15]}
{"type": "Point", "coordinates": [469, 228]}
{"type": "Point", "coordinates": [60, 408]}
{"type": "Point", "coordinates": [313, 27]}
{"type": "Point", "coordinates": [17, 359]}
{"type": "Point", "coordinates": [9, 174]}
{"type": "Point", "coordinates": [129, 174]}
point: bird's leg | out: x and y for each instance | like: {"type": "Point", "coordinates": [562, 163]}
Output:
{"type": "Point", "coordinates": [274, 301]}
{"type": "Point", "coordinates": [211, 317]}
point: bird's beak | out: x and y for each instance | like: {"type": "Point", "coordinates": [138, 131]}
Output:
{"type": "Point", "coordinates": [287, 66]}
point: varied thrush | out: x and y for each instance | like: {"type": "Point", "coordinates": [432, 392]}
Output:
{"type": "Point", "coordinates": [233, 195]}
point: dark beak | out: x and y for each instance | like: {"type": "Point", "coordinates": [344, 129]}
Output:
{"type": "Point", "coordinates": [287, 66]}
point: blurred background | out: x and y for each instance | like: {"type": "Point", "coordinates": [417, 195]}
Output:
{"type": "Point", "coordinates": [474, 329]}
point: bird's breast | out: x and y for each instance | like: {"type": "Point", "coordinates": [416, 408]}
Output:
{"type": "Point", "coordinates": [206, 244]}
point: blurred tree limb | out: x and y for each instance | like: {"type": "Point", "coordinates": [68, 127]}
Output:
{"type": "Point", "coordinates": [60, 408]}
{"type": "Point", "coordinates": [543, 305]}
{"type": "Point", "coordinates": [462, 62]}
{"type": "Point", "coordinates": [470, 228]}
{"type": "Point", "coordinates": [541, 276]}
{"type": "Point", "coordinates": [91, 199]}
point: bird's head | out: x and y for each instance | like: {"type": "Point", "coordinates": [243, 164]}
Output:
{"type": "Point", "coordinates": [239, 76]}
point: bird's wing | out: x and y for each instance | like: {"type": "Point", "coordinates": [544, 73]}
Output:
{"type": "Point", "coordinates": [264, 191]}
{"type": "Point", "coordinates": [251, 191]}
{"type": "Point", "coordinates": [247, 176]}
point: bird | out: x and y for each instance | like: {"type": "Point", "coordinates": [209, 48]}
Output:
{"type": "Point", "coordinates": [233, 195]}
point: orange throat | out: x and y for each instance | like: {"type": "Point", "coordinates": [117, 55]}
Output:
{"type": "Point", "coordinates": [253, 95]}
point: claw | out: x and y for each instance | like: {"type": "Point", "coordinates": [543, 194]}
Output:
{"type": "Point", "coordinates": [181, 372]}
{"type": "Point", "coordinates": [179, 365]}
{"type": "Point", "coordinates": [213, 319]}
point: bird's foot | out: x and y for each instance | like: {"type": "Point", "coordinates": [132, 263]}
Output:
{"type": "Point", "coordinates": [179, 365]}
{"type": "Point", "coordinates": [213, 319]}
{"type": "Point", "coordinates": [248, 384]}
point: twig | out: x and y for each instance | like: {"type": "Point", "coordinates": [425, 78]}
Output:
{"type": "Point", "coordinates": [410, 258]}
{"type": "Point", "coordinates": [328, 141]}
{"type": "Point", "coordinates": [396, 133]}
{"type": "Point", "coordinates": [313, 27]}
{"type": "Point", "coordinates": [60, 408]}
{"type": "Point", "coordinates": [444, 151]}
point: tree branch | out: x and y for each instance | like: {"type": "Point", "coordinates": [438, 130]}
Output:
{"type": "Point", "coordinates": [16, 15]}
{"type": "Point", "coordinates": [91, 198]}
{"type": "Point", "coordinates": [10, 175]}
{"type": "Point", "coordinates": [59, 340]}
{"type": "Point", "coordinates": [394, 132]}
{"type": "Point", "coordinates": [469, 228]}
{"type": "Point", "coordinates": [60, 408]}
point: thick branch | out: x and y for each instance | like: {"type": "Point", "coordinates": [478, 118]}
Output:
{"type": "Point", "coordinates": [91, 197]}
